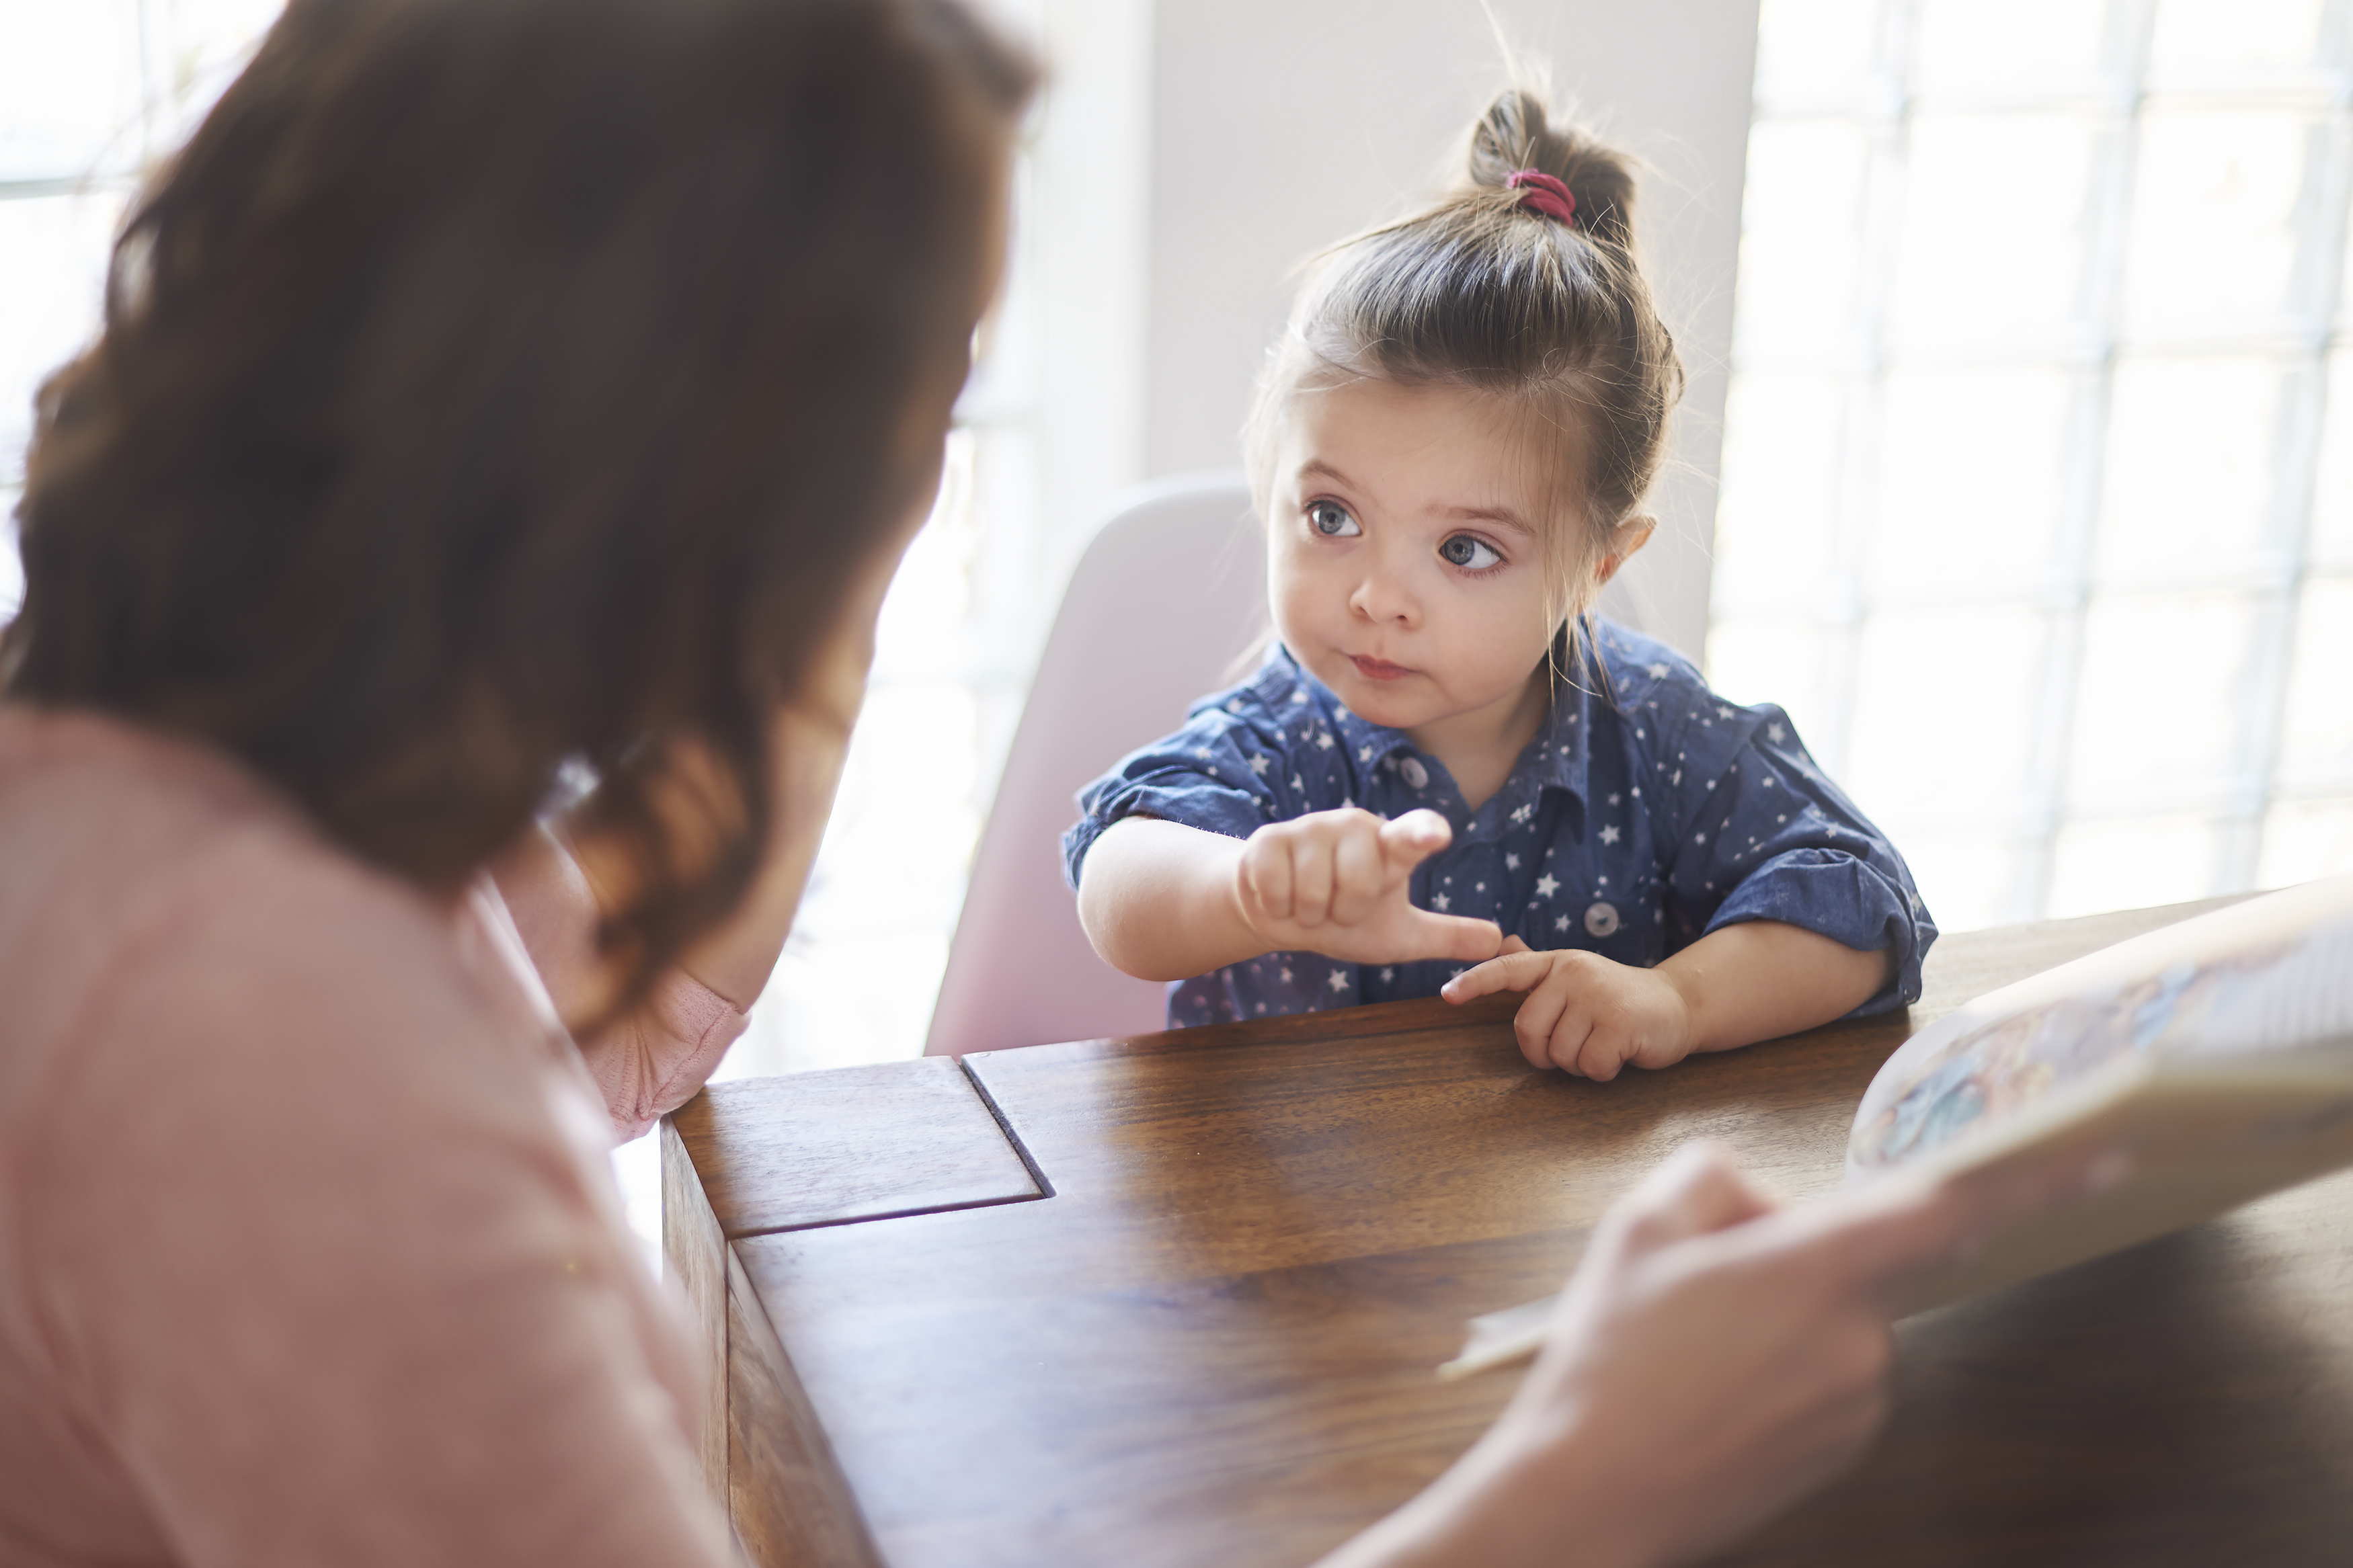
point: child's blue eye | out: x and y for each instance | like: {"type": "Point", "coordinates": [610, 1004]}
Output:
{"type": "Point", "coordinates": [1331, 520]}
{"type": "Point", "coordinates": [1471, 554]}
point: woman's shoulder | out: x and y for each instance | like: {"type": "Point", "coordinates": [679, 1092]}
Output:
{"type": "Point", "coordinates": [102, 820]}
{"type": "Point", "coordinates": [154, 879]}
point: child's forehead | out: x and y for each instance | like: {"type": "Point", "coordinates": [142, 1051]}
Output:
{"type": "Point", "coordinates": [1482, 449]}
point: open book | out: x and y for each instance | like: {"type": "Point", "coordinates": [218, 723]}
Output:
{"type": "Point", "coordinates": [2215, 1054]}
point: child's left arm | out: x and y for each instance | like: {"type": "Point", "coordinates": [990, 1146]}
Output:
{"type": "Point", "coordinates": [1591, 1016]}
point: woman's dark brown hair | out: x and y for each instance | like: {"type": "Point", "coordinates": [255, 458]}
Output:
{"type": "Point", "coordinates": [495, 383]}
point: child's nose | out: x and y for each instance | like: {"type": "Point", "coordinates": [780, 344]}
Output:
{"type": "Point", "coordinates": [1383, 596]}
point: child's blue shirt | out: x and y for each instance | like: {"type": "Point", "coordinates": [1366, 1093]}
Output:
{"type": "Point", "coordinates": [1630, 827]}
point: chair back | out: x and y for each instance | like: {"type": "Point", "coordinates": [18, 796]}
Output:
{"type": "Point", "coordinates": [1169, 592]}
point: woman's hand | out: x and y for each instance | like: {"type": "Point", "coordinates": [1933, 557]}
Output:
{"type": "Point", "coordinates": [1716, 1357]}
{"type": "Point", "coordinates": [1586, 1014]}
{"type": "Point", "coordinates": [1339, 883]}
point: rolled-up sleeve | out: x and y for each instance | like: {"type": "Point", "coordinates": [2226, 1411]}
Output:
{"type": "Point", "coordinates": [1761, 834]}
{"type": "Point", "coordinates": [1220, 773]}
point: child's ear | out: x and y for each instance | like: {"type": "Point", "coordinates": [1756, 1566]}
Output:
{"type": "Point", "coordinates": [1629, 536]}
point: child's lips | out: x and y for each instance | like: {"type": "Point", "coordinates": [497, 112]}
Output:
{"type": "Point", "coordinates": [1378, 668]}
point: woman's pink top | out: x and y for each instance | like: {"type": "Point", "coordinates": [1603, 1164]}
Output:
{"type": "Point", "coordinates": [310, 1251]}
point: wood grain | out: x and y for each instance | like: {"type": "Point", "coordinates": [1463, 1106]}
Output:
{"type": "Point", "coordinates": [851, 1143]}
{"type": "Point", "coordinates": [694, 1254]}
{"type": "Point", "coordinates": [790, 1504]}
{"type": "Point", "coordinates": [1215, 1343]}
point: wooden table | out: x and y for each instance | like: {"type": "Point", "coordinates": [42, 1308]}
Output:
{"type": "Point", "coordinates": [1176, 1299]}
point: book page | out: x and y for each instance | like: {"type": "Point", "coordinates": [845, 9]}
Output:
{"type": "Point", "coordinates": [2215, 1056]}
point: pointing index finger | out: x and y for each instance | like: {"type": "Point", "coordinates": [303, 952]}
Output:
{"type": "Point", "coordinates": [1519, 969]}
{"type": "Point", "coordinates": [1411, 839]}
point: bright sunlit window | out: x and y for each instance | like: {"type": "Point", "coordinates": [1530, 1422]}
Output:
{"type": "Point", "coordinates": [2038, 483]}
{"type": "Point", "coordinates": [90, 91]}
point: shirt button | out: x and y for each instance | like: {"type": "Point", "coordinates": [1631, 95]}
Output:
{"type": "Point", "coordinates": [1601, 920]}
{"type": "Point", "coordinates": [1416, 775]}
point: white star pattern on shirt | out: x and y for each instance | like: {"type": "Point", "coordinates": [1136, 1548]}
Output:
{"type": "Point", "coordinates": [1201, 752]}
{"type": "Point", "coordinates": [1658, 672]}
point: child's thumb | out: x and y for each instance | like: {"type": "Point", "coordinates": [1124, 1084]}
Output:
{"type": "Point", "coordinates": [1456, 937]}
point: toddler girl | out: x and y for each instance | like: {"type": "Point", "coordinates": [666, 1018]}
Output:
{"type": "Point", "coordinates": [1448, 778]}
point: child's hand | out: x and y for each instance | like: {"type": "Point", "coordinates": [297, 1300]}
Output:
{"type": "Point", "coordinates": [1585, 1014]}
{"type": "Point", "coordinates": [1337, 883]}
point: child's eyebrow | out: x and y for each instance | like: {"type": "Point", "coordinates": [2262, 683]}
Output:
{"type": "Point", "coordinates": [1495, 514]}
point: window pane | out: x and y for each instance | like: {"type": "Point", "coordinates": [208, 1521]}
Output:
{"type": "Point", "coordinates": [1944, 713]}
{"type": "Point", "coordinates": [12, 568]}
{"type": "Point", "coordinates": [2192, 464]}
{"type": "Point", "coordinates": [1811, 47]}
{"type": "Point", "coordinates": [1800, 254]}
{"type": "Point", "coordinates": [69, 91]}
{"type": "Point", "coordinates": [1968, 879]}
{"type": "Point", "coordinates": [1955, 282]}
{"type": "Point", "coordinates": [1971, 480]}
{"type": "Point", "coordinates": [1778, 505]}
{"type": "Point", "coordinates": [2159, 712]}
{"type": "Point", "coordinates": [2006, 44]}
{"type": "Point", "coordinates": [53, 254]}
{"type": "Point", "coordinates": [200, 45]}
{"type": "Point", "coordinates": [2316, 750]}
{"type": "Point", "coordinates": [2213, 231]}
{"type": "Point", "coordinates": [2332, 496]}
{"type": "Point", "coordinates": [2199, 41]}
{"type": "Point", "coordinates": [2306, 839]}
{"type": "Point", "coordinates": [2128, 863]}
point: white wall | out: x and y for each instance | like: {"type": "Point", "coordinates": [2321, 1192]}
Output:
{"type": "Point", "coordinates": [1278, 126]}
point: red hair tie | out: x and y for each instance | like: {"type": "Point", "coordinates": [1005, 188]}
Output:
{"type": "Point", "coordinates": [1545, 194]}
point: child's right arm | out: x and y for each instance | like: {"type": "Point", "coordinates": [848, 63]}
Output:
{"type": "Point", "coordinates": [1164, 901]}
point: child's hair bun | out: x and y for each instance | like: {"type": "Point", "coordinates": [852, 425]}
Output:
{"type": "Point", "coordinates": [1516, 133]}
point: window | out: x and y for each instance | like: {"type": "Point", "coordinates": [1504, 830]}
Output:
{"type": "Point", "coordinates": [2037, 480]}
{"type": "Point", "coordinates": [90, 93]}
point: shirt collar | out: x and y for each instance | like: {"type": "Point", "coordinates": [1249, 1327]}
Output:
{"type": "Point", "coordinates": [1560, 762]}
